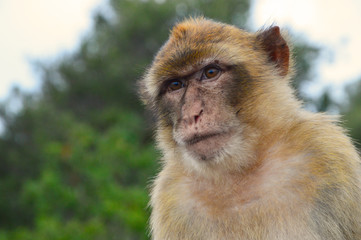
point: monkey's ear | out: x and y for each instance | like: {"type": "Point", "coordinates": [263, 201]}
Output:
{"type": "Point", "coordinates": [276, 47]}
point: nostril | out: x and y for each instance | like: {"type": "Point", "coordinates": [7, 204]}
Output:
{"type": "Point", "coordinates": [196, 118]}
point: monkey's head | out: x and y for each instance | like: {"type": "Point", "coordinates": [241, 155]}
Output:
{"type": "Point", "coordinates": [209, 85]}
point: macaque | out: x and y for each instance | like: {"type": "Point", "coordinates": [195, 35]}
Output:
{"type": "Point", "coordinates": [241, 158]}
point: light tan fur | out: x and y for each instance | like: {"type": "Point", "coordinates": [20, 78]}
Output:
{"type": "Point", "coordinates": [280, 172]}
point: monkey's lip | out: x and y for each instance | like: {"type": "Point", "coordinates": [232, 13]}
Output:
{"type": "Point", "coordinates": [196, 138]}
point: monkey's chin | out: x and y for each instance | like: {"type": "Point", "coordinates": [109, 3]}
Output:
{"type": "Point", "coordinates": [207, 147]}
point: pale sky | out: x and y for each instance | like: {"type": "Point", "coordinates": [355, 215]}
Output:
{"type": "Point", "coordinates": [43, 29]}
{"type": "Point", "coordinates": [38, 29]}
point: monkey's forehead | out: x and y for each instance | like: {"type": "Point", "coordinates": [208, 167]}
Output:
{"type": "Point", "coordinates": [194, 41]}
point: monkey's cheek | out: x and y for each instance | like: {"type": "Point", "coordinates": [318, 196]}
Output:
{"type": "Point", "coordinates": [208, 148]}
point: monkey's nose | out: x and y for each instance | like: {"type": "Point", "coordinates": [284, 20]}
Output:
{"type": "Point", "coordinates": [192, 119]}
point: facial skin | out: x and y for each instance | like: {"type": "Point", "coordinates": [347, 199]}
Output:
{"type": "Point", "coordinates": [199, 126]}
{"type": "Point", "coordinates": [201, 107]}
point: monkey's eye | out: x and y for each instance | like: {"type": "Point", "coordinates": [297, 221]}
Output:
{"type": "Point", "coordinates": [210, 72]}
{"type": "Point", "coordinates": [175, 85]}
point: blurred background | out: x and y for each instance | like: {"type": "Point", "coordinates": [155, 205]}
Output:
{"type": "Point", "coordinates": [76, 147]}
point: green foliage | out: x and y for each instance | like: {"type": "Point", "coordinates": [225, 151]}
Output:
{"type": "Point", "coordinates": [90, 184]}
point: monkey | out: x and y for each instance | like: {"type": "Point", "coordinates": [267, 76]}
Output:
{"type": "Point", "coordinates": [241, 157]}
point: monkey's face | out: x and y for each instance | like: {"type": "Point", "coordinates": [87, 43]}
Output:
{"type": "Point", "coordinates": [194, 87]}
{"type": "Point", "coordinates": [199, 109]}
{"type": "Point", "coordinates": [207, 86]}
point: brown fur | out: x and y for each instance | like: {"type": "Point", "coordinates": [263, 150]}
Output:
{"type": "Point", "coordinates": [271, 170]}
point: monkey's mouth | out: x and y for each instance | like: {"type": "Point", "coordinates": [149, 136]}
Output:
{"type": "Point", "coordinates": [198, 138]}
{"type": "Point", "coordinates": [207, 145]}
